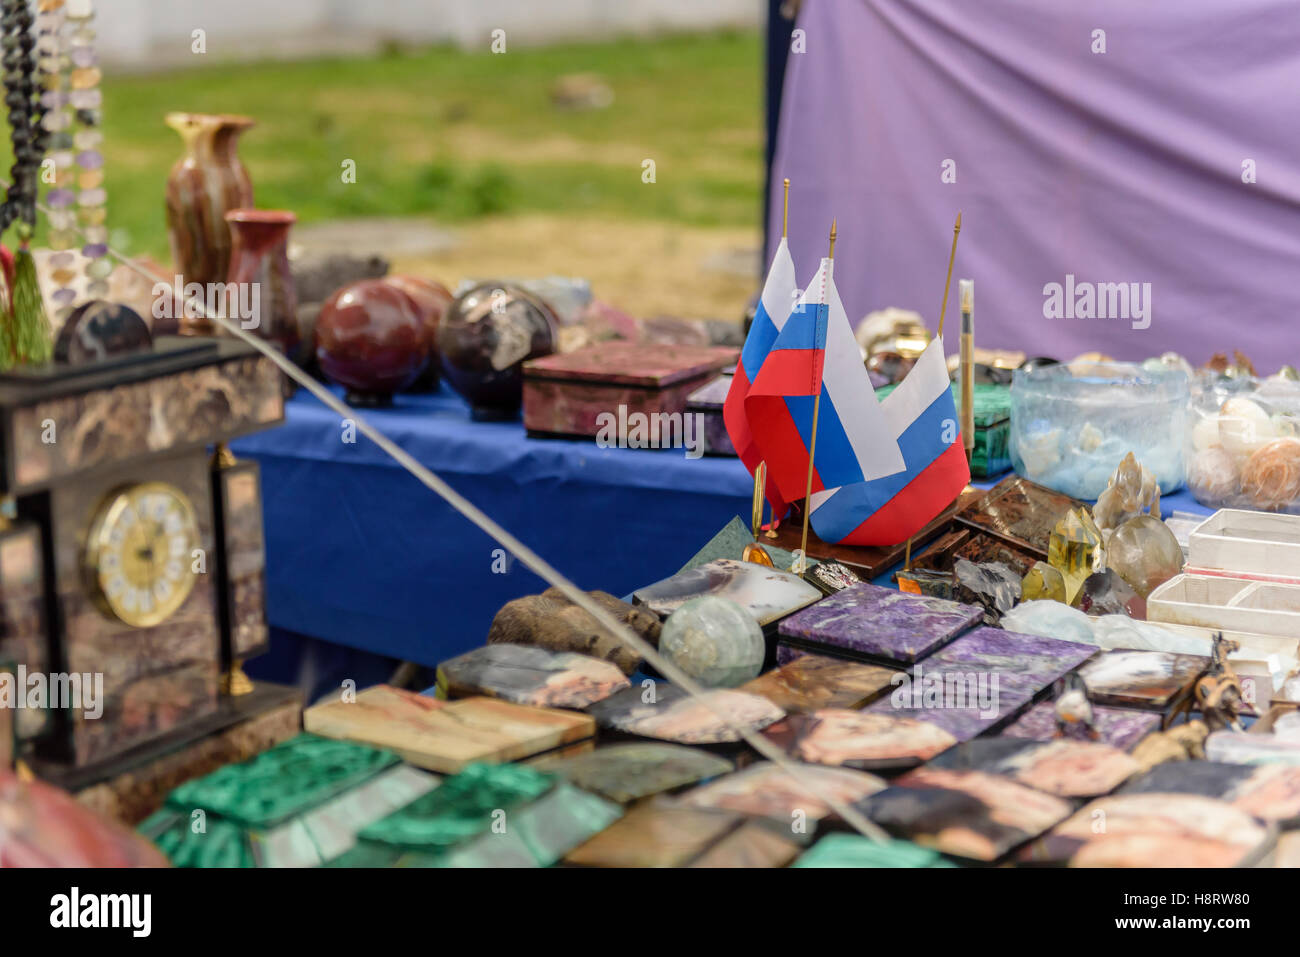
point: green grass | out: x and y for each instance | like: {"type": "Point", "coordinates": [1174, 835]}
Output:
{"type": "Point", "coordinates": [456, 135]}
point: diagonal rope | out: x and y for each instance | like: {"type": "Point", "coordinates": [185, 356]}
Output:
{"type": "Point", "coordinates": [523, 553]}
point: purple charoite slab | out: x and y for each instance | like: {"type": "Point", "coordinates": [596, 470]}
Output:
{"type": "Point", "coordinates": [980, 679]}
{"type": "Point", "coordinates": [1118, 727]}
{"type": "Point", "coordinates": [881, 623]}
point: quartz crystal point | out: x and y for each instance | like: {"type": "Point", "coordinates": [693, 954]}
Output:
{"type": "Point", "coordinates": [1105, 593]}
{"type": "Point", "coordinates": [1075, 550]}
{"type": "Point", "coordinates": [991, 585]}
{"type": "Point", "coordinates": [1043, 583]}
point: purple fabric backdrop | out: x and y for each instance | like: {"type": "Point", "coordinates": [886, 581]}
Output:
{"type": "Point", "coordinates": [1117, 167]}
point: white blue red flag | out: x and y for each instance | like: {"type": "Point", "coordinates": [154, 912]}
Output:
{"type": "Point", "coordinates": [774, 306]}
{"type": "Point", "coordinates": [922, 418]}
{"type": "Point", "coordinates": [815, 351]}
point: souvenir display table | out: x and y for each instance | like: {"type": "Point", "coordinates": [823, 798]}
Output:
{"type": "Point", "coordinates": [361, 555]}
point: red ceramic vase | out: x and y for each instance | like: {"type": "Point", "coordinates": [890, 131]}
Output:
{"type": "Point", "coordinates": [431, 299]}
{"type": "Point", "coordinates": [260, 293]}
{"type": "Point", "coordinates": [371, 340]}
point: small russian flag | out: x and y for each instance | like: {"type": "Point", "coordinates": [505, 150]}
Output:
{"type": "Point", "coordinates": [923, 419]}
{"type": "Point", "coordinates": [779, 292]}
{"type": "Point", "coordinates": [815, 352]}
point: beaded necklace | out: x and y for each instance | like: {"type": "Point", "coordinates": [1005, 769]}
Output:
{"type": "Point", "coordinates": [72, 99]}
{"type": "Point", "coordinates": [25, 331]}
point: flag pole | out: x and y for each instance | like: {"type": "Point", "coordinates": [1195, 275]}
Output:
{"type": "Point", "coordinates": [753, 551]}
{"type": "Point", "coordinates": [812, 448]}
{"type": "Point", "coordinates": [967, 307]}
{"type": "Point", "coordinates": [771, 532]}
{"type": "Point", "coordinates": [943, 309]}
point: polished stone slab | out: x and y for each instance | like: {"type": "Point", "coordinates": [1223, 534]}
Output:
{"type": "Point", "coordinates": [880, 623]}
{"type": "Point", "coordinates": [982, 679]}
{"type": "Point", "coordinates": [528, 675]}
{"type": "Point", "coordinates": [1064, 767]}
{"type": "Point", "coordinates": [1120, 727]}
{"type": "Point", "coordinates": [670, 714]}
{"type": "Point", "coordinates": [810, 682]}
{"type": "Point", "coordinates": [967, 814]}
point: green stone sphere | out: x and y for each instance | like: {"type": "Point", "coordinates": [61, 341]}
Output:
{"type": "Point", "coordinates": [715, 641]}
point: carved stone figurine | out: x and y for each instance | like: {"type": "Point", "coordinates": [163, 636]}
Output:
{"type": "Point", "coordinates": [1182, 742]}
{"type": "Point", "coordinates": [1074, 707]}
{"type": "Point", "coordinates": [1219, 694]}
{"type": "Point", "coordinates": [1132, 491]}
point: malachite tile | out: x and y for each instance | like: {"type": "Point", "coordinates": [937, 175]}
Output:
{"type": "Point", "coordinates": [279, 783]}
{"type": "Point", "coordinates": [462, 807]}
{"type": "Point", "coordinates": [853, 850]}
{"type": "Point", "coordinates": [539, 834]}
{"type": "Point", "coordinates": [312, 838]}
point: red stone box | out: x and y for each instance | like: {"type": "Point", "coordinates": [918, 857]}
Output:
{"type": "Point", "coordinates": [567, 394]}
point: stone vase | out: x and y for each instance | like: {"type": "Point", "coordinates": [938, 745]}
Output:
{"type": "Point", "coordinates": [207, 182]}
{"type": "Point", "coordinates": [260, 292]}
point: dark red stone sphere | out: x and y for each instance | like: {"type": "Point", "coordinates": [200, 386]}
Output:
{"type": "Point", "coordinates": [370, 340]}
{"type": "Point", "coordinates": [431, 299]}
{"type": "Point", "coordinates": [486, 336]}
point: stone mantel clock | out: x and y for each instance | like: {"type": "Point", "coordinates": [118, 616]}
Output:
{"type": "Point", "coordinates": [130, 549]}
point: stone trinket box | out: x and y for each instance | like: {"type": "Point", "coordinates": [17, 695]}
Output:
{"type": "Point", "coordinates": [573, 393]}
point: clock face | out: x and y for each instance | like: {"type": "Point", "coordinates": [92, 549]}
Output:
{"type": "Point", "coordinates": [139, 553]}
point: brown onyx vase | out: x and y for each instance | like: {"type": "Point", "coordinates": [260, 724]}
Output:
{"type": "Point", "coordinates": [260, 292]}
{"type": "Point", "coordinates": [207, 182]}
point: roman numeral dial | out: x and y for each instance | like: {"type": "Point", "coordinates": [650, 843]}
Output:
{"type": "Point", "coordinates": [139, 553]}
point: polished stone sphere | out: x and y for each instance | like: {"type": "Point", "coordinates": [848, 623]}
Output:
{"type": "Point", "coordinates": [97, 329]}
{"type": "Point", "coordinates": [431, 299]}
{"type": "Point", "coordinates": [715, 641]}
{"type": "Point", "coordinates": [485, 337]}
{"type": "Point", "coordinates": [371, 341]}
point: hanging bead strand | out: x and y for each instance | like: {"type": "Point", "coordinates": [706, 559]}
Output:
{"type": "Point", "coordinates": [52, 50]}
{"type": "Point", "coordinates": [87, 101]}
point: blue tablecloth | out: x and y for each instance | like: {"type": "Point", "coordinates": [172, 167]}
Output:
{"type": "Point", "coordinates": [361, 554]}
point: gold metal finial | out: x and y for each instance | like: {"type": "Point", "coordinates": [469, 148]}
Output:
{"type": "Point", "coordinates": [234, 682]}
{"type": "Point", "coordinates": [831, 255]}
{"type": "Point", "coordinates": [222, 457]}
{"type": "Point", "coordinates": [785, 209]}
{"type": "Point", "coordinates": [952, 254]}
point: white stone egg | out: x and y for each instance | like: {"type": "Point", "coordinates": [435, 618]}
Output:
{"type": "Point", "coordinates": [1244, 426]}
{"type": "Point", "coordinates": [1205, 434]}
